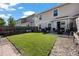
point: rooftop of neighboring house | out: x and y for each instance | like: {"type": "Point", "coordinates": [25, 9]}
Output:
{"type": "Point", "coordinates": [26, 17]}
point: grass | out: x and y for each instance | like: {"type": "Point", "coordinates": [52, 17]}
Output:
{"type": "Point", "coordinates": [33, 44]}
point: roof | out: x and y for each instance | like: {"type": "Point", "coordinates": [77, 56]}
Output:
{"type": "Point", "coordinates": [25, 17]}
{"type": "Point", "coordinates": [30, 16]}
{"type": "Point", "coordinates": [46, 10]}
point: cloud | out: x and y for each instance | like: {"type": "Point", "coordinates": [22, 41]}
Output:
{"type": "Point", "coordinates": [4, 6]}
{"type": "Point", "coordinates": [27, 13]}
{"type": "Point", "coordinates": [20, 7]}
{"type": "Point", "coordinates": [7, 6]}
{"type": "Point", "coordinates": [13, 4]}
{"type": "Point", "coordinates": [1, 10]}
{"type": "Point", "coordinates": [9, 15]}
{"type": "Point", "coordinates": [11, 9]}
{"type": "Point", "coordinates": [5, 16]}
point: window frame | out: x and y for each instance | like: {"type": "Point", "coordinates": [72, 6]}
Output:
{"type": "Point", "coordinates": [49, 25]}
{"type": "Point", "coordinates": [40, 17]}
{"type": "Point", "coordinates": [55, 12]}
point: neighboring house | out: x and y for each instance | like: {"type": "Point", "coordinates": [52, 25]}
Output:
{"type": "Point", "coordinates": [18, 22]}
{"type": "Point", "coordinates": [60, 17]}
{"type": "Point", "coordinates": [27, 21]}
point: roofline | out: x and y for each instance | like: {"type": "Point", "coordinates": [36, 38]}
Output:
{"type": "Point", "coordinates": [54, 8]}
{"type": "Point", "coordinates": [25, 17]}
{"type": "Point", "coordinates": [30, 15]}
{"type": "Point", "coordinates": [46, 10]}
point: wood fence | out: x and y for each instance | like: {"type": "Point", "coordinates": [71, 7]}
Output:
{"type": "Point", "coordinates": [6, 30]}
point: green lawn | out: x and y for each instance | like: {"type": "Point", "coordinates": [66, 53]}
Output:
{"type": "Point", "coordinates": [33, 44]}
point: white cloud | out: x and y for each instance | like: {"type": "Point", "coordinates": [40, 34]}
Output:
{"type": "Point", "coordinates": [11, 9]}
{"type": "Point", "coordinates": [4, 6]}
{"type": "Point", "coordinates": [7, 6]}
{"type": "Point", "coordinates": [5, 16]}
{"type": "Point", "coordinates": [20, 7]}
{"type": "Point", "coordinates": [23, 16]}
{"type": "Point", "coordinates": [9, 15]}
{"type": "Point", "coordinates": [27, 13]}
{"type": "Point", "coordinates": [13, 4]}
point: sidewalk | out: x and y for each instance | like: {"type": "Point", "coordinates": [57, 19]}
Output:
{"type": "Point", "coordinates": [6, 48]}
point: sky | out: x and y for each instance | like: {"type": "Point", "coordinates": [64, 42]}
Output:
{"type": "Point", "coordinates": [21, 10]}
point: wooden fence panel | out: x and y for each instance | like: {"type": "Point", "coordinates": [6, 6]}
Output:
{"type": "Point", "coordinates": [6, 30]}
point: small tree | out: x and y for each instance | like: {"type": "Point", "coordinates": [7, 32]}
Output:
{"type": "Point", "coordinates": [11, 22]}
{"type": "Point", "coordinates": [2, 22]}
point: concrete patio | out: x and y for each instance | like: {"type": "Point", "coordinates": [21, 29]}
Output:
{"type": "Point", "coordinates": [64, 46]}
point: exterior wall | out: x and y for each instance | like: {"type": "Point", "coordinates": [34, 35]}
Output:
{"type": "Point", "coordinates": [28, 21]}
{"type": "Point", "coordinates": [66, 21]}
{"type": "Point", "coordinates": [69, 10]}
{"type": "Point", "coordinates": [46, 19]}
{"type": "Point", "coordinates": [18, 22]}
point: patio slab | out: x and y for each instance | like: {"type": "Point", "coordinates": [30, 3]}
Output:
{"type": "Point", "coordinates": [64, 47]}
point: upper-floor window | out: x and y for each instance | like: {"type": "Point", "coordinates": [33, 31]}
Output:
{"type": "Point", "coordinates": [40, 17]}
{"type": "Point", "coordinates": [55, 13]}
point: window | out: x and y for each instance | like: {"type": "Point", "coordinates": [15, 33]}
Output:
{"type": "Point", "coordinates": [49, 25]}
{"type": "Point", "coordinates": [62, 23]}
{"type": "Point", "coordinates": [55, 12]}
{"type": "Point", "coordinates": [39, 26]}
{"type": "Point", "coordinates": [40, 17]}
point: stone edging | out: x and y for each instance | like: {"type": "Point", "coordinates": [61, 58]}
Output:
{"type": "Point", "coordinates": [51, 48]}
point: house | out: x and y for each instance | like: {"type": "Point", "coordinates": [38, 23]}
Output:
{"type": "Point", "coordinates": [62, 18]}
{"type": "Point", "coordinates": [59, 18]}
{"type": "Point", "coordinates": [27, 21]}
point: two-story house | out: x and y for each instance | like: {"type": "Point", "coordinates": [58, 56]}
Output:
{"type": "Point", "coordinates": [27, 21]}
{"type": "Point", "coordinates": [60, 17]}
